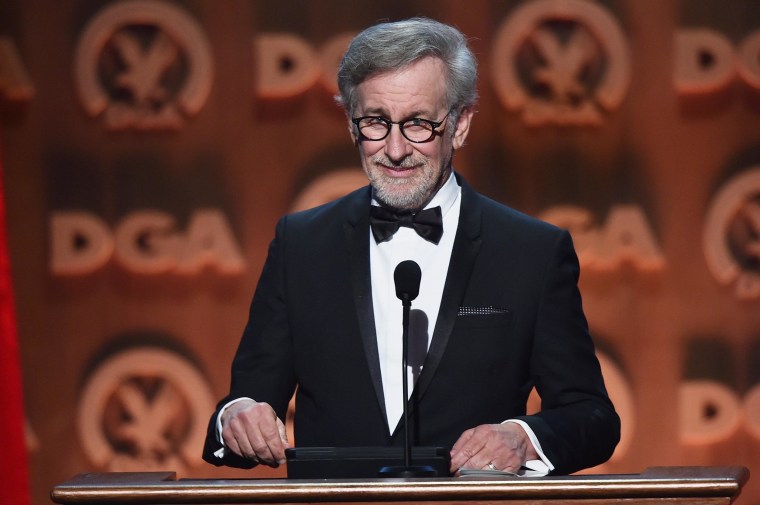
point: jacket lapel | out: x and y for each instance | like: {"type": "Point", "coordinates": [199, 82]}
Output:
{"type": "Point", "coordinates": [356, 230]}
{"type": "Point", "coordinates": [463, 256]}
{"type": "Point", "coordinates": [466, 247]}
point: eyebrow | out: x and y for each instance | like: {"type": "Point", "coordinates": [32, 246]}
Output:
{"type": "Point", "coordinates": [417, 114]}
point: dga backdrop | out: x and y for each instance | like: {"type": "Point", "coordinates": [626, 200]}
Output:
{"type": "Point", "coordinates": [149, 147]}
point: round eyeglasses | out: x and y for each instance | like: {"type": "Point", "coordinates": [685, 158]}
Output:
{"type": "Point", "coordinates": [415, 130]}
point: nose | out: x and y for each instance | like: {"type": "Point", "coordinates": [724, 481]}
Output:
{"type": "Point", "coordinates": [396, 146]}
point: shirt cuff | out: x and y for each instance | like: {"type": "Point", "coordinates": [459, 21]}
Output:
{"type": "Point", "coordinates": [535, 465]}
{"type": "Point", "coordinates": [220, 452]}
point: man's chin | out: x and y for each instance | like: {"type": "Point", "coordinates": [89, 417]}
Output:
{"type": "Point", "coordinates": [401, 200]}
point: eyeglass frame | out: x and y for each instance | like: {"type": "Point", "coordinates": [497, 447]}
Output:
{"type": "Point", "coordinates": [389, 125]}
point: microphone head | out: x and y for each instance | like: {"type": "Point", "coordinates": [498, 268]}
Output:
{"type": "Point", "coordinates": [407, 278]}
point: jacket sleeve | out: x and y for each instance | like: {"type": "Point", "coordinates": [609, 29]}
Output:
{"type": "Point", "coordinates": [577, 426]}
{"type": "Point", "coordinates": [262, 368]}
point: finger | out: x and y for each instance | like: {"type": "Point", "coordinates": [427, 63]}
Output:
{"type": "Point", "coordinates": [253, 430]}
{"type": "Point", "coordinates": [278, 450]}
{"type": "Point", "coordinates": [485, 447]}
{"type": "Point", "coordinates": [469, 453]}
{"type": "Point", "coordinates": [231, 443]}
{"type": "Point", "coordinates": [236, 438]}
{"type": "Point", "coordinates": [272, 446]}
{"type": "Point", "coordinates": [263, 434]}
{"type": "Point", "coordinates": [262, 437]}
{"type": "Point", "coordinates": [511, 443]}
{"type": "Point", "coordinates": [283, 432]}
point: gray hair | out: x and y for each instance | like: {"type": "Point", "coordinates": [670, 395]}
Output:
{"type": "Point", "coordinates": [388, 47]}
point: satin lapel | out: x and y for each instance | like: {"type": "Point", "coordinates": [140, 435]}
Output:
{"type": "Point", "coordinates": [356, 230]}
{"type": "Point", "coordinates": [466, 247]}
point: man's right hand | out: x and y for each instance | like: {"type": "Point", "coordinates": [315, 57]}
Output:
{"type": "Point", "coordinates": [252, 430]}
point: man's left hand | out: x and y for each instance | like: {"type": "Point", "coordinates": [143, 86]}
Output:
{"type": "Point", "coordinates": [504, 447]}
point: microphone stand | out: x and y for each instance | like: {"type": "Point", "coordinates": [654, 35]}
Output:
{"type": "Point", "coordinates": [406, 308]}
{"type": "Point", "coordinates": [407, 470]}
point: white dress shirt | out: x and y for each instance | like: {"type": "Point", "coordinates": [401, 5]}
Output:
{"type": "Point", "coordinates": [433, 260]}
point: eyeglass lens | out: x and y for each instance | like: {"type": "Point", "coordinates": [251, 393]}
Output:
{"type": "Point", "coordinates": [415, 130]}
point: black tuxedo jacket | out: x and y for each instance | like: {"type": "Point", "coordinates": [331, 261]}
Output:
{"type": "Point", "coordinates": [311, 325]}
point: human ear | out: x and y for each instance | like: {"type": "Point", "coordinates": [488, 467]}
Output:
{"type": "Point", "coordinates": [462, 127]}
{"type": "Point", "coordinates": [352, 131]}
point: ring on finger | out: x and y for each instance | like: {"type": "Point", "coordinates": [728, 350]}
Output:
{"type": "Point", "coordinates": [491, 466]}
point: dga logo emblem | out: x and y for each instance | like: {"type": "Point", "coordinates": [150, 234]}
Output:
{"type": "Point", "coordinates": [144, 409]}
{"type": "Point", "coordinates": [732, 235]}
{"type": "Point", "coordinates": [561, 62]}
{"type": "Point", "coordinates": [143, 65]}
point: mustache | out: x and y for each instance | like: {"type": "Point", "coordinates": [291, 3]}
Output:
{"type": "Point", "coordinates": [407, 162]}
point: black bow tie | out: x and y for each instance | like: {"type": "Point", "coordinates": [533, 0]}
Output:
{"type": "Point", "coordinates": [427, 223]}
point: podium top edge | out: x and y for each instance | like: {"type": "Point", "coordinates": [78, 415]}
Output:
{"type": "Point", "coordinates": [164, 487]}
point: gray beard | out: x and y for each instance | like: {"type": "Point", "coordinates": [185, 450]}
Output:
{"type": "Point", "coordinates": [416, 194]}
{"type": "Point", "coordinates": [414, 197]}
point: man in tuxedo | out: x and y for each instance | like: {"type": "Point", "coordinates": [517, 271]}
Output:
{"type": "Point", "coordinates": [498, 312]}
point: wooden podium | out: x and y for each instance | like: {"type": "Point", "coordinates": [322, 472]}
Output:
{"type": "Point", "coordinates": [673, 485]}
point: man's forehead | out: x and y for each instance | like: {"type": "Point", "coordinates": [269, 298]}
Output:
{"type": "Point", "coordinates": [418, 88]}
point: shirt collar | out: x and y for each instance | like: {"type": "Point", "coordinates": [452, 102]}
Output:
{"type": "Point", "coordinates": [446, 196]}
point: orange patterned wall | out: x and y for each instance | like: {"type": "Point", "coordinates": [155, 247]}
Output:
{"type": "Point", "coordinates": [150, 147]}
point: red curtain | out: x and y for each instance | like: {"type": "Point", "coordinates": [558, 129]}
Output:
{"type": "Point", "coordinates": [14, 472]}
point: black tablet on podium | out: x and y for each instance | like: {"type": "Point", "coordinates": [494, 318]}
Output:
{"type": "Point", "coordinates": [359, 462]}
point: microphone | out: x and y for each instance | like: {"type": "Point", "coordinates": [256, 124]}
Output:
{"type": "Point", "coordinates": [406, 277]}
